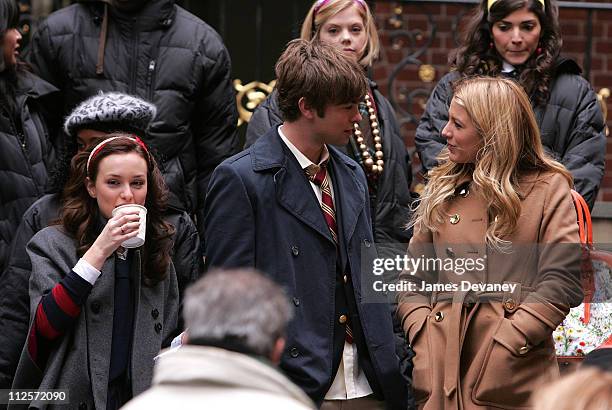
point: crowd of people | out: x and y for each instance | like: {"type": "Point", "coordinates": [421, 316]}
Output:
{"type": "Point", "coordinates": [131, 221]}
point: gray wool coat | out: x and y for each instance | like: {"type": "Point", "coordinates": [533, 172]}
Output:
{"type": "Point", "coordinates": [80, 359]}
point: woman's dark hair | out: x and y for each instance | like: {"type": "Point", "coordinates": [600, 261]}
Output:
{"type": "Point", "coordinates": [9, 19]}
{"type": "Point", "coordinates": [60, 173]}
{"type": "Point", "coordinates": [9, 16]}
{"type": "Point", "coordinates": [476, 57]}
{"type": "Point", "coordinates": [80, 215]}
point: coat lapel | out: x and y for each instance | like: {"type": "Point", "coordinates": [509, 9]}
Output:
{"type": "Point", "coordinates": [293, 191]}
{"type": "Point", "coordinates": [348, 191]}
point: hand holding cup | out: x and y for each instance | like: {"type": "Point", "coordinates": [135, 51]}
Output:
{"type": "Point", "coordinates": [127, 224]}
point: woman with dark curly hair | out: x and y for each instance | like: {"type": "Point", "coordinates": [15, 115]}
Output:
{"type": "Point", "coordinates": [85, 285]}
{"type": "Point", "coordinates": [521, 39]}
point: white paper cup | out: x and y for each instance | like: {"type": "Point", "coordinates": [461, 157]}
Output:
{"type": "Point", "coordinates": [139, 239]}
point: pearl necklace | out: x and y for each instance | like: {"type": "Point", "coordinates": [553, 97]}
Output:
{"type": "Point", "coordinates": [370, 165]}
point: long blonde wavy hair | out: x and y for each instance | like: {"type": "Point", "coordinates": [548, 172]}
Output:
{"type": "Point", "coordinates": [510, 149]}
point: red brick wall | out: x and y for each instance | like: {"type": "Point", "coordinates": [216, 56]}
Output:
{"type": "Point", "coordinates": [414, 17]}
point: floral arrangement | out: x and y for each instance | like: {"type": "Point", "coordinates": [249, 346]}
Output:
{"type": "Point", "coordinates": [577, 336]}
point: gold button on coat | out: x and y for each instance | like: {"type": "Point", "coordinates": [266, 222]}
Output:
{"type": "Point", "coordinates": [510, 304]}
{"type": "Point", "coordinates": [345, 279]}
{"type": "Point", "coordinates": [454, 219]}
{"type": "Point", "coordinates": [342, 319]}
{"type": "Point", "coordinates": [524, 350]}
{"type": "Point", "coordinates": [439, 316]}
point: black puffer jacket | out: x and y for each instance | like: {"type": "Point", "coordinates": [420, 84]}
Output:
{"type": "Point", "coordinates": [26, 153]}
{"type": "Point", "coordinates": [162, 54]}
{"type": "Point", "coordinates": [14, 298]}
{"type": "Point", "coordinates": [571, 124]}
{"type": "Point", "coordinates": [391, 210]}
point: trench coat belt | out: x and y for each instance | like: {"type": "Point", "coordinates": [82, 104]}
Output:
{"type": "Point", "coordinates": [453, 341]}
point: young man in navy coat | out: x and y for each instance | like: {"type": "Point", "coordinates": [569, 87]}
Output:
{"type": "Point", "coordinates": [296, 208]}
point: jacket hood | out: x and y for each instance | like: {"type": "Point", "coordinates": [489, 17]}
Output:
{"type": "Point", "coordinates": [566, 65]}
{"type": "Point", "coordinates": [156, 10]}
{"type": "Point", "coordinates": [154, 14]}
{"type": "Point", "coordinates": [193, 365]}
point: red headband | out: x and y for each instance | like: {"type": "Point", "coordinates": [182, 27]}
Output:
{"type": "Point", "coordinates": [99, 147]}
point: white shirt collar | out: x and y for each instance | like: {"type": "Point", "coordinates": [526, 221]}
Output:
{"type": "Point", "coordinates": [507, 67]}
{"type": "Point", "coordinates": [302, 159]}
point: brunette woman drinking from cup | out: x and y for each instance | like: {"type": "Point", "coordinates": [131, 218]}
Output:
{"type": "Point", "coordinates": [85, 286]}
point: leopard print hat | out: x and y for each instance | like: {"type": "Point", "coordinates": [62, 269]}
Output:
{"type": "Point", "coordinates": [122, 110]}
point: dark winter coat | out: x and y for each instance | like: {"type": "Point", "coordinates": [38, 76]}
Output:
{"type": "Point", "coordinates": [571, 124]}
{"type": "Point", "coordinates": [262, 213]}
{"type": "Point", "coordinates": [391, 208]}
{"type": "Point", "coordinates": [14, 298]}
{"type": "Point", "coordinates": [164, 55]}
{"type": "Point", "coordinates": [26, 154]}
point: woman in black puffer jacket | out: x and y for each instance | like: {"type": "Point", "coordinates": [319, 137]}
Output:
{"type": "Point", "coordinates": [25, 147]}
{"type": "Point", "coordinates": [521, 39]}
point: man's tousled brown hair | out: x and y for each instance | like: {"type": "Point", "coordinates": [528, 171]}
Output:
{"type": "Point", "coordinates": [320, 74]}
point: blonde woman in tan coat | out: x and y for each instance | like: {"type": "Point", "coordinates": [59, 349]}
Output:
{"type": "Point", "coordinates": [495, 237]}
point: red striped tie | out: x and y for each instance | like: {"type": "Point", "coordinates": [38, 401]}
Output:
{"type": "Point", "coordinates": [318, 176]}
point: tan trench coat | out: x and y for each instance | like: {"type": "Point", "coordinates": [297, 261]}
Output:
{"type": "Point", "coordinates": [492, 349]}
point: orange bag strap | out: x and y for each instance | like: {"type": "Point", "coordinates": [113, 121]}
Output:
{"type": "Point", "coordinates": [585, 229]}
{"type": "Point", "coordinates": [585, 225]}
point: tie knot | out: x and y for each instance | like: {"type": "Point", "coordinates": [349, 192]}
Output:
{"type": "Point", "coordinates": [315, 173]}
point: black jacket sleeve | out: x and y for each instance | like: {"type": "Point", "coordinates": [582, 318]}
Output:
{"type": "Point", "coordinates": [428, 139]}
{"type": "Point", "coordinates": [187, 256]}
{"type": "Point", "coordinates": [15, 300]}
{"type": "Point", "coordinates": [266, 116]}
{"type": "Point", "coordinates": [214, 121]}
{"type": "Point", "coordinates": [585, 143]}
{"type": "Point", "coordinates": [43, 56]}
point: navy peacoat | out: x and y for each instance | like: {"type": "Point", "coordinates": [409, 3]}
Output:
{"type": "Point", "coordinates": [261, 212]}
